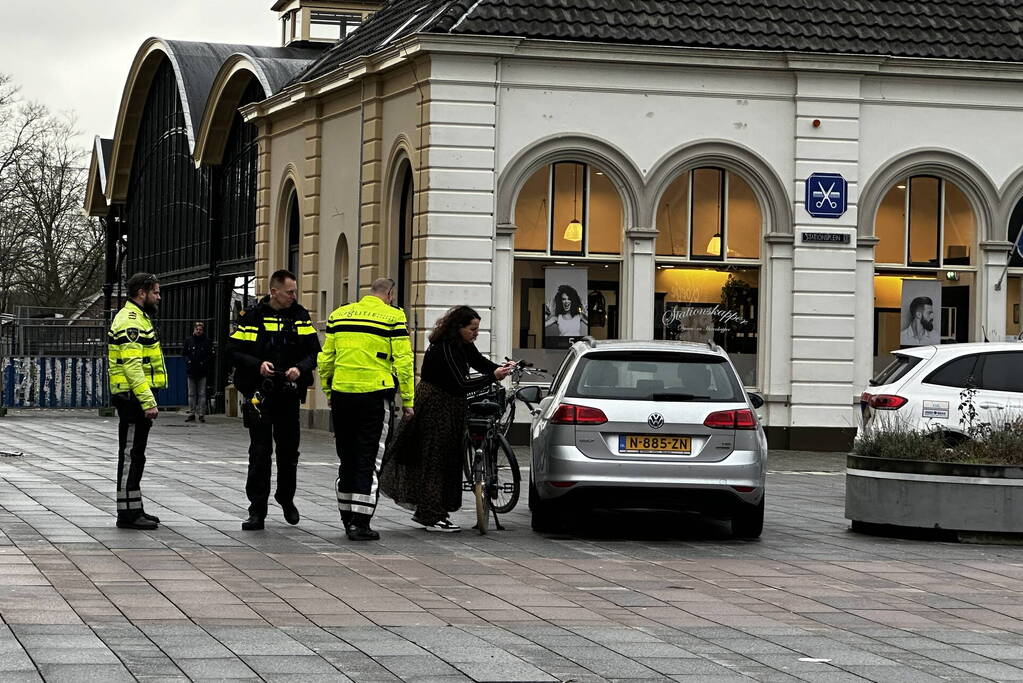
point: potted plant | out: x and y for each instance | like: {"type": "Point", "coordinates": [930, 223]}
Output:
{"type": "Point", "coordinates": [900, 477]}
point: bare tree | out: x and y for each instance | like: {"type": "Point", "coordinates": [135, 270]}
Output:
{"type": "Point", "coordinates": [64, 258]}
{"type": "Point", "coordinates": [21, 125]}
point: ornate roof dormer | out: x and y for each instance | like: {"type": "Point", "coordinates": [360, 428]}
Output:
{"type": "Point", "coordinates": [321, 21]}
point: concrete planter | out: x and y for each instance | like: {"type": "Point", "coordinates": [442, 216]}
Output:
{"type": "Point", "coordinates": [934, 495]}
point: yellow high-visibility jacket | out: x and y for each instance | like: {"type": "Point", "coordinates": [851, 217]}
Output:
{"type": "Point", "coordinates": [135, 360]}
{"type": "Point", "coordinates": [366, 346]}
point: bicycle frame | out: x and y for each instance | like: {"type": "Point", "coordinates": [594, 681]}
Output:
{"type": "Point", "coordinates": [482, 435]}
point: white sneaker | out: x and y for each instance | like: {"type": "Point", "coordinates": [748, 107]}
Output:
{"type": "Point", "coordinates": [444, 525]}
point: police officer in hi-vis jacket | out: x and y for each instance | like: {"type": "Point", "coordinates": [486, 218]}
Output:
{"type": "Point", "coordinates": [136, 369]}
{"type": "Point", "coordinates": [273, 350]}
{"type": "Point", "coordinates": [365, 347]}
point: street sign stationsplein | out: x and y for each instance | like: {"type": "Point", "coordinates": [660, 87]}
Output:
{"type": "Point", "coordinates": [826, 195]}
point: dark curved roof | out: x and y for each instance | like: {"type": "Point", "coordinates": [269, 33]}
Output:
{"type": "Point", "coordinates": [197, 64]}
{"type": "Point", "coordinates": [984, 30]}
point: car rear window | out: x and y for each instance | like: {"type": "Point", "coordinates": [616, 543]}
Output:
{"type": "Point", "coordinates": [955, 373]}
{"type": "Point", "coordinates": [895, 370]}
{"type": "Point", "coordinates": [654, 376]}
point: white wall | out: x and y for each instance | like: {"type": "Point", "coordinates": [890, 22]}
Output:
{"type": "Point", "coordinates": [823, 293]}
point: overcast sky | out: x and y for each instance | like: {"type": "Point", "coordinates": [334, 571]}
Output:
{"type": "Point", "coordinates": [76, 56]}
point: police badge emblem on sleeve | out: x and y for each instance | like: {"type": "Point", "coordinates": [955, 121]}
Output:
{"type": "Point", "coordinates": [133, 334]}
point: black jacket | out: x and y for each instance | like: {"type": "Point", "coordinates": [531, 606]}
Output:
{"type": "Point", "coordinates": [198, 353]}
{"type": "Point", "coordinates": [446, 366]}
{"type": "Point", "coordinates": [286, 338]}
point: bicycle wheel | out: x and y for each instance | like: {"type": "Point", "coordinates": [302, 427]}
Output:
{"type": "Point", "coordinates": [470, 452]}
{"type": "Point", "coordinates": [482, 507]}
{"type": "Point", "coordinates": [507, 478]}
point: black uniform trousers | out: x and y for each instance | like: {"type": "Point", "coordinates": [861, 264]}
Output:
{"type": "Point", "coordinates": [361, 425]}
{"type": "Point", "coordinates": [132, 437]}
{"type": "Point", "coordinates": [277, 424]}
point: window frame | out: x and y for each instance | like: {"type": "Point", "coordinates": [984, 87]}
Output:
{"type": "Point", "coordinates": [584, 252]}
{"type": "Point", "coordinates": [977, 366]}
{"type": "Point", "coordinates": [723, 196]}
{"type": "Point", "coordinates": [984, 357]}
{"type": "Point", "coordinates": [906, 228]}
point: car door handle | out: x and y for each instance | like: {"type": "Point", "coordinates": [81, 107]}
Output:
{"type": "Point", "coordinates": [992, 406]}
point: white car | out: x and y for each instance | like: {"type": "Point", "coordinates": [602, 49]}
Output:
{"type": "Point", "coordinates": [922, 388]}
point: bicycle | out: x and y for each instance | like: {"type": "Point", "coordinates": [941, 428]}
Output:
{"type": "Point", "coordinates": [522, 367]}
{"type": "Point", "coordinates": [491, 468]}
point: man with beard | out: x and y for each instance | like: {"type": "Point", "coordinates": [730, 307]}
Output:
{"type": "Point", "coordinates": [920, 330]}
{"type": "Point", "coordinates": [273, 350]}
{"type": "Point", "coordinates": [136, 370]}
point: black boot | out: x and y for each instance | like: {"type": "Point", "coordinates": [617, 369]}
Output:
{"type": "Point", "coordinates": [253, 523]}
{"type": "Point", "coordinates": [135, 521]}
{"type": "Point", "coordinates": [362, 533]}
{"type": "Point", "coordinates": [291, 515]}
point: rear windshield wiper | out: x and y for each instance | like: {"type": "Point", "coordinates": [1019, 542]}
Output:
{"type": "Point", "coordinates": [666, 396]}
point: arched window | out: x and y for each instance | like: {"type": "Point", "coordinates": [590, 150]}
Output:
{"type": "Point", "coordinates": [1014, 279]}
{"type": "Point", "coordinates": [709, 214]}
{"type": "Point", "coordinates": [406, 214]}
{"type": "Point", "coordinates": [294, 227]}
{"type": "Point", "coordinates": [569, 219]}
{"type": "Point", "coordinates": [707, 285]}
{"type": "Point", "coordinates": [569, 209]}
{"type": "Point", "coordinates": [926, 252]}
{"type": "Point", "coordinates": [927, 222]}
{"type": "Point", "coordinates": [341, 277]}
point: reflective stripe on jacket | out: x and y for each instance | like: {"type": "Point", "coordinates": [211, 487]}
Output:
{"type": "Point", "coordinates": [135, 360]}
{"type": "Point", "coordinates": [284, 337]}
{"type": "Point", "coordinates": [366, 346]}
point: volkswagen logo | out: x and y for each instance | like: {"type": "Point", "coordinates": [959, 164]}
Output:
{"type": "Point", "coordinates": [656, 421]}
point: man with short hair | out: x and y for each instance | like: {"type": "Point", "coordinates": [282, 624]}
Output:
{"type": "Point", "coordinates": [198, 352]}
{"type": "Point", "coordinates": [920, 330]}
{"type": "Point", "coordinates": [136, 369]}
{"type": "Point", "coordinates": [273, 350]}
{"type": "Point", "coordinates": [365, 347]}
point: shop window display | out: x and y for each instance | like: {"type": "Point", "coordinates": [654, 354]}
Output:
{"type": "Point", "coordinates": [926, 229]}
{"type": "Point", "coordinates": [707, 285]}
{"type": "Point", "coordinates": [568, 244]}
{"type": "Point", "coordinates": [703, 305]}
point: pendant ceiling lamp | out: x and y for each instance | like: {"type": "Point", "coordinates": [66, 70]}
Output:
{"type": "Point", "coordinates": [574, 230]}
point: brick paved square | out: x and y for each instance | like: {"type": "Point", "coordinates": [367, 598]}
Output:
{"type": "Point", "coordinates": [642, 596]}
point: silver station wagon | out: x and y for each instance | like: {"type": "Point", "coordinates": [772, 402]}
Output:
{"type": "Point", "coordinates": [646, 424]}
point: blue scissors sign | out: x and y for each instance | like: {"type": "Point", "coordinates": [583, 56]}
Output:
{"type": "Point", "coordinates": [826, 195]}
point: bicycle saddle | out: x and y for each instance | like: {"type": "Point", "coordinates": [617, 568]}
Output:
{"type": "Point", "coordinates": [485, 408]}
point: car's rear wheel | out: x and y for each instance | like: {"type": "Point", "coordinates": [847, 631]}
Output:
{"type": "Point", "coordinates": [544, 513]}
{"type": "Point", "coordinates": [748, 521]}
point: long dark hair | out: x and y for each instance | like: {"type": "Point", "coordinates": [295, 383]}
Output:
{"type": "Point", "coordinates": [575, 301]}
{"type": "Point", "coordinates": [447, 327]}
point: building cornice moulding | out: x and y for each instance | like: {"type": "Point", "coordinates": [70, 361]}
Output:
{"type": "Point", "coordinates": [648, 55]}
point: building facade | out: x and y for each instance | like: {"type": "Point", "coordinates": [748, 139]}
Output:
{"type": "Point", "coordinates": [645, 176]}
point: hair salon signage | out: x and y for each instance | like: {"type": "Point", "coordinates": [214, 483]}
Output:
{"type": "Point", "coordinates": [826, 195]}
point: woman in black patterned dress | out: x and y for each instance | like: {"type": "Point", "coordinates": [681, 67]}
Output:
{"type": "Point", "coordinates": [422, 470]}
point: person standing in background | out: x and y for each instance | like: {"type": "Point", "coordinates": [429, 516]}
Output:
{"type": "Point", "coordinates": [198, 353]}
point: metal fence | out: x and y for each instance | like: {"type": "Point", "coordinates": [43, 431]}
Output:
{"type": "Point", "coordinates": [62, 363]}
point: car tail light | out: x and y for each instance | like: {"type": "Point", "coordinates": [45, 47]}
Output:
{"type": "Point", "coordinates": [744, 489]}
{"type": "Point", "coordinates": [568, 414]}
{"type": "Point", "coordinates": [562, 484]}
{"type": "Point", "coordinates": [886, 401]}
{"type": "Point", "coordinates": [731, 419]}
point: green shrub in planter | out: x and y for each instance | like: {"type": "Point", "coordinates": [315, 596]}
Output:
{"type": "Point", "coordinates": [984, 443]}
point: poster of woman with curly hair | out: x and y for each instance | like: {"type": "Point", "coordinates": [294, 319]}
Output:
{"type": "Point", "coordinates": [564, 312]}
